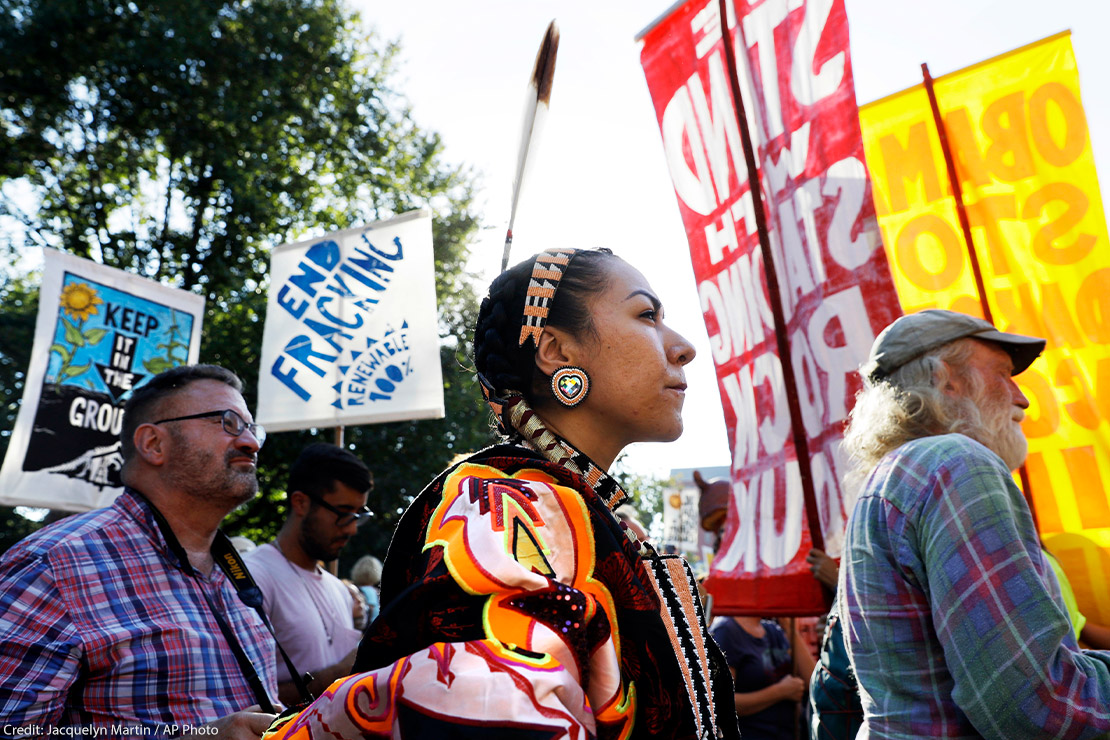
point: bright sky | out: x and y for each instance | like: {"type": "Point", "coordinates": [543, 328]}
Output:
{"type": "Point", "coordinates": [600, 178]}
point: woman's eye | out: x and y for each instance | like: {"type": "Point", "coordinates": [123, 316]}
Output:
{"type": "Point", "coordinates": [650, 314]}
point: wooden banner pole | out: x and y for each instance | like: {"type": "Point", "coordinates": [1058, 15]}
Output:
{"type": "Point", "coordinates": [801, 446]}
{"type": "Point", "coordinates": [332, 566]}
{"type": "Point", "coordinates": [965, 227]}
{"type": "Point", "coordinates": [957, 193]}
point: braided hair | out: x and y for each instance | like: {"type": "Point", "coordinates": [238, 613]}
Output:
{"type": "Point", "coordinates": [498, 356]}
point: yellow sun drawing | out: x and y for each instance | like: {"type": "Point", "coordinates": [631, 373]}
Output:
{"type": "Point", "coordinates": [80, 301]}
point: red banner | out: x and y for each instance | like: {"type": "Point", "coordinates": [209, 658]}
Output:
{"type": "Point", "coordinates": [793, 72]}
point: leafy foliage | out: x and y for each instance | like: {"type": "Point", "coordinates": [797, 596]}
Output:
{"type": "Point", "coordinates": [19, 298]}
{"type": "Point", "coordinates": [645, 495]}
{"type": "Point", "coordinates": [180, 140]}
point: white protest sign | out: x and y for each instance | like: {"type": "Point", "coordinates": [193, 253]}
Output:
{"type": "Point", "coordinates": [351, 331]}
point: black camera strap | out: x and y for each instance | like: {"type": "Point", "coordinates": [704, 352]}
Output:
{"type": "Point", "coordinates": [231, 563]}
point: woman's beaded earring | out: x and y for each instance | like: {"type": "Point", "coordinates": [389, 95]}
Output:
{"type": "Point", "coordinates": [570, 385]}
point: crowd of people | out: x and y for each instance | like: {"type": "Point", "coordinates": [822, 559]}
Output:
{"type": "Point", "coordinates": [518, 598]}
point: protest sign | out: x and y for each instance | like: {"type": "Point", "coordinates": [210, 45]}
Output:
{"type": "Point", "coordinates": [351, 332]}
{"type": "Point", "coordinates": [784, 414]}
{"type": "Point", "coordinates": [100, 333]}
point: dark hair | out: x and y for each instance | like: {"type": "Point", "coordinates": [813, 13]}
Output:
{"type": "Point", "coordinates": [147, 398]}
{"type": "Point", "coordinates": [320, 465]}
{"type": "Point", "coordinates": [498, 355]}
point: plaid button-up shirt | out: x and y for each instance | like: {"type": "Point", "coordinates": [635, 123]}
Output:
{"type": "Point", "coordinates": [100, 627]}
{"type": "Point", "coordinates": [952, 617]}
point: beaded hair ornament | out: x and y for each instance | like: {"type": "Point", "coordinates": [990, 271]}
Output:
{"type": "Point", "coordinates": [548, 270]}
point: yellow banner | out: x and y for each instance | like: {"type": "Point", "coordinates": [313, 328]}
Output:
{"type": "Point", "coordinates": [1020, 142]}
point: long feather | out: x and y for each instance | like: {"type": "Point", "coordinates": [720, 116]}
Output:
{"type": "Point", "coordinates": [535, 111]}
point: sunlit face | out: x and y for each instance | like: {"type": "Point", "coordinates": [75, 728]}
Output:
{"type": "Point", "coordinates": [1000, 402]}
{"type": "Point", "coordinates": [321, 537]}
{"type": "Point", "coordinates": [204, 461]}
{"type": "Point", "coordinates": [635, 362]}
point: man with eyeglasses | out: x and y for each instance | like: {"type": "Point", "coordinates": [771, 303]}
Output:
{"type": "Point", "coordinates": [119, 620]}
{"type": "Point", "coordinates": [311, 610]}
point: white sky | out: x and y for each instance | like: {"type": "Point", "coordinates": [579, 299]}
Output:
{"type": "Point", "coordinates": [600, 178]}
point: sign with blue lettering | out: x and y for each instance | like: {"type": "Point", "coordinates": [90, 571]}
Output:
{"type": "Point", "coordinates": [351, 331]}
{"type": "Point", "coordinates": [100, 333]}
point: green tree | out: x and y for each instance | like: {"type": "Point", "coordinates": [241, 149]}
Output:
{"type": "Point", "coordinates": [645, 493]}
{"type": "Point", "coordinates": [19, 298]}
{"type": "Point", "coordinates": [180, 140]}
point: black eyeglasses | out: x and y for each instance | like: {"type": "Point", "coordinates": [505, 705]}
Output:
{"type": "Point", "coordinates": [343, 518]}
{"type": "Point", "coordinates": [233, 423]}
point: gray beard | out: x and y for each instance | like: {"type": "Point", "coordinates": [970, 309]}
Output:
{"type": "Point", "coordinates": [997, 430]}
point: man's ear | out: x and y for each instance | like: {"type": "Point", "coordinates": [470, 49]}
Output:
{"type": "Point", "coordinates": [954, 385]}
{"type": "Point", "coordinates": [299, 503]}
{"type": "Point", "coordinates": [556, 349]}
{"type": "Point", "coordinates": [150, 444]}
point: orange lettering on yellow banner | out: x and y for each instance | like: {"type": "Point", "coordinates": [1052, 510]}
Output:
{"type": "Point", "coordinates": [910, 163]}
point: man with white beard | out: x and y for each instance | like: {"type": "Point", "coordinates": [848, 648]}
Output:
{"type": "Point", "coordinates": [952, 617]}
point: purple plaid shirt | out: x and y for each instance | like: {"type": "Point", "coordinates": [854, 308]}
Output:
{"type": "Point", "coordinates": [953, 619]}
{"type": "Point", "coordinates": [100, 626]}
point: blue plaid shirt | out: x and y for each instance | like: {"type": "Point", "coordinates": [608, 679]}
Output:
{"type": "Point", "coordinates": [100, 626]}
{"type": "Point", "coordinates": [953, 619]}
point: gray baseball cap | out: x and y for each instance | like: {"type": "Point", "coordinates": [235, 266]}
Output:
{"type": "Point", "coordinates": [911, 336]}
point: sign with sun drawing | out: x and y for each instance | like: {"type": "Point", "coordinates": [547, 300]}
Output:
{"type": "Point", "coordinates": [100, 333]}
